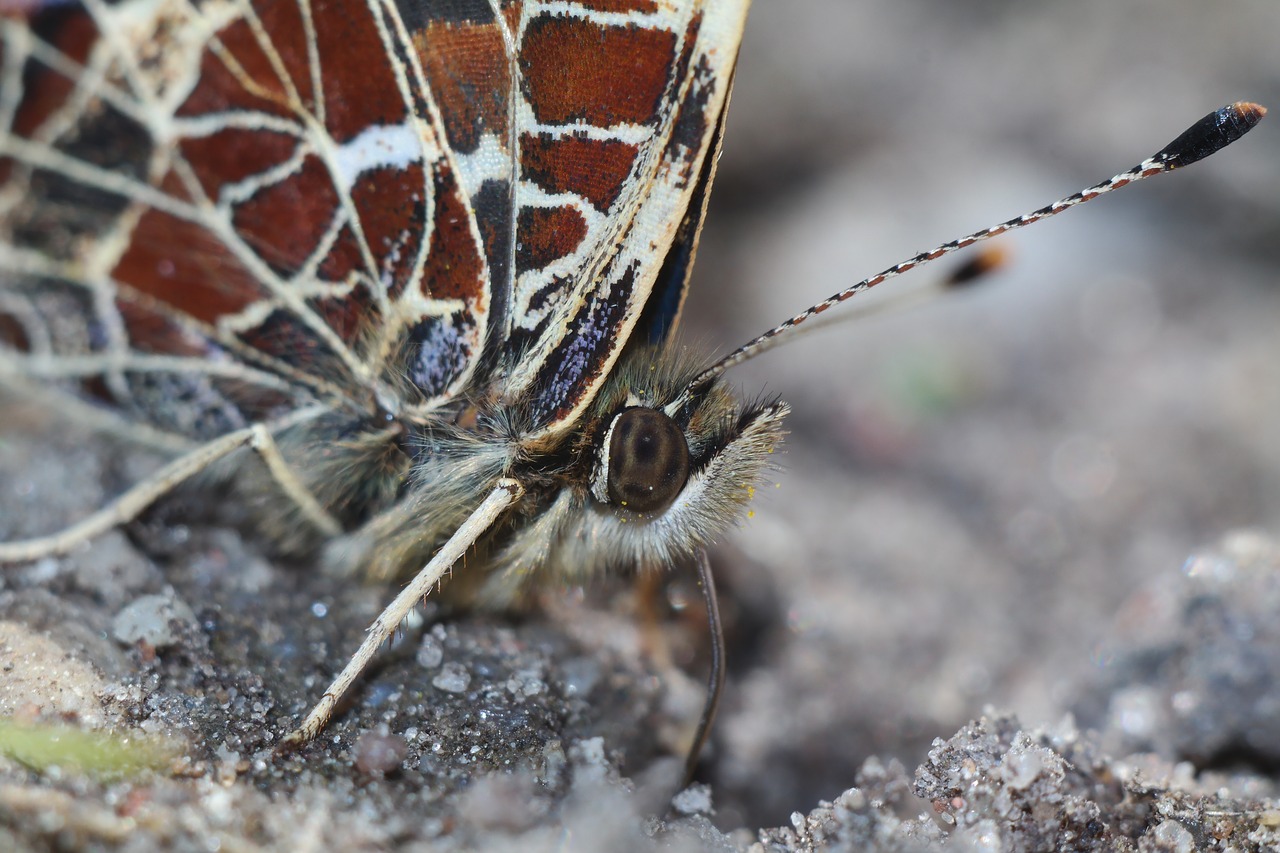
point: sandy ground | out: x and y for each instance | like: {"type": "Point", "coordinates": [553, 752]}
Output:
{"type": "Point", "coordinates": [997, 510]}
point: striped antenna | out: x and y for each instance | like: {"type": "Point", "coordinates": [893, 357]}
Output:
{"type": "Point", "coordinates": [1212, 133]}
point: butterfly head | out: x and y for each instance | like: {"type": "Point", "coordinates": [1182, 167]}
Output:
{"type": "Point", "coordinates": [662, 468]}
{"type": "Point", "coordinates": [662, 464]}
{"type": "Point", "coordinates": [657, 436]}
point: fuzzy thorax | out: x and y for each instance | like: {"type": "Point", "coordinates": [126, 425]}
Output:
{"type": "Point", "coordinates": [569, 527]}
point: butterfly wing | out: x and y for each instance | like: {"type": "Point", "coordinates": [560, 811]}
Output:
{"type": "Point", "coordinates": [251, 206]}
{"type": "Point", "coordinates": [617, 105]}
{"type": "Point", "coordinates": [233, 209]}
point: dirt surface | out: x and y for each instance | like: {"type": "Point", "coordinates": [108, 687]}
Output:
{"type": "Point", "coordinates": [983, 526]}
{"type": "Point", "coordinates": [976, 487]}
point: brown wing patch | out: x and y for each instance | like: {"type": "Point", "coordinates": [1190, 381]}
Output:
{"type": "Point", "coordinates": [283, 22]}
{"type": "Point", "coordinates": [233, 154]}
{"type": "Point", "coordinates": [467, 68]}
{"type": "Point", "coordinates": [235, 75]}
{"type": "Point", "coordinates": [644, 7]}
{"type": "Point", "coordinates": [547, 234]}
{"type": "Point", "coordinates": [343, 258]}
{"type": "Point", "coordinates": [577, 70]}
{"type": "Point", "coordinates": [595, 169]}
{"type": "Point", "coordinates": [283, 222]}
{"type": "Point", "coordinates": [351, 315]}
{"type": "Point", "coordinates": [389, 203]}
{"type": "Point", "coordinates": [204, 280]}
{"type": "Point", "coordinates": [454, 266]}
{"type": "Point", "coordinates": [72, 33]}
{"type": "Point", "coordinates": [153, 330]}
{"type": "Point", "coordinates": [360, 89]}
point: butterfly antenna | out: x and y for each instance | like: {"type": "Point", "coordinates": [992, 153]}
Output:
{"type": "Point", "coordinates": [1212, 133]}
{"type": "Point", "coordinates": [980, 266]}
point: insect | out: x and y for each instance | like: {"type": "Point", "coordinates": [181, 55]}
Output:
{"type": "Point", "coordinates": [405, 273]}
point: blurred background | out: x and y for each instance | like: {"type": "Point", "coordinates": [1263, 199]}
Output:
{"type": "Point", "coordinates": [977, 490]}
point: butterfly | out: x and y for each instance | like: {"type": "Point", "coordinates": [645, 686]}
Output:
{"type": "Point", "coordinates": [405, 275]}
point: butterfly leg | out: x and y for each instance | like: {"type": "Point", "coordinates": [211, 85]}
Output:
{"type": "Point", "coordinates": [503, 496]}
{"type": "Point", "coordinates": [715, 682]}
{"type": "Point", "coordinates": [265, 446]}
{"type": "Point", "coordinates": [132, 503]}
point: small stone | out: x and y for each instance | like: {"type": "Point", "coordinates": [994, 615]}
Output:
{"type": "Point", "coordinates": [526, 684]}
{"type": "Point", "coordinates": [430, 652]}
{"type": "Point", "coordinates": [696, 799]}
{"type": "Point", "coordinates": [1169, 836]}
{"type": "Point", "coordinates": [453, 678]}
{"type": "Point", "coordinates": [1023, 764]}
{"type": "Point", "coordinates": [378, 752]}
{"type": "Point", "coordinates": [149, 619]}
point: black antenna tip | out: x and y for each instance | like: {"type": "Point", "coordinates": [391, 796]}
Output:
{"type": "Point", "coordinates": [984, 262]}
{"type": "Point", "coordinates": [1212, 133]}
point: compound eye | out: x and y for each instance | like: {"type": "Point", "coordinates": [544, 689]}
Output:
{"type": "Point", "coordinates": [648, 460]}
